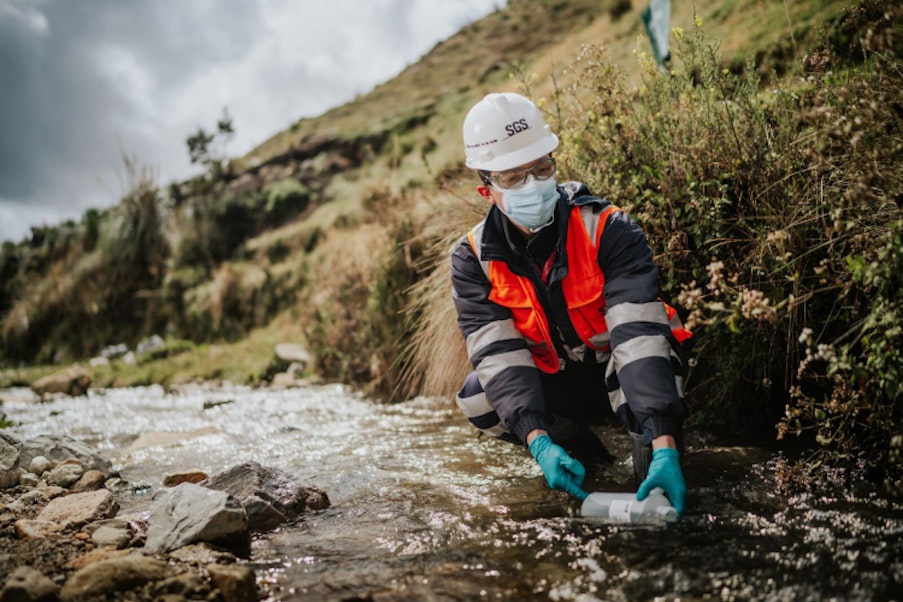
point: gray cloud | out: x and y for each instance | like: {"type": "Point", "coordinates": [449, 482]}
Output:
{"type": "Point", "coordinates": [84, 82]}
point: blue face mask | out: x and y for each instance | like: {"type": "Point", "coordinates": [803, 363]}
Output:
{"type": "Point", "coordinates": [532, 205]}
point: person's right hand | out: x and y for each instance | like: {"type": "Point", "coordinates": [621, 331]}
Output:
{"type": "Point", "coordinates": [664, 472]}
{"type": "Point", "coordinates": [561, 471]}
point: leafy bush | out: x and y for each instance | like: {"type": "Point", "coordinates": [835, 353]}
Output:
{"type": "Point", "coordinates": [773, 212]}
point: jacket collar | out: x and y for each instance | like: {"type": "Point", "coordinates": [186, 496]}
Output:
{"type": "Point", "coordinates": [496, 242]}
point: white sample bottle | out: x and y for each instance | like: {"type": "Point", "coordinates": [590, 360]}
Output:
{"type": "Point", "coordinates": [625, 508]}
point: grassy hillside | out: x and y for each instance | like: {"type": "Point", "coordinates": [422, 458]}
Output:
{"type": "Point", "coordinates": [334, 233]}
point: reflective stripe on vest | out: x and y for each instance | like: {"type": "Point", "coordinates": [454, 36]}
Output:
{"type": "Point", "coordinates": [583, 289]}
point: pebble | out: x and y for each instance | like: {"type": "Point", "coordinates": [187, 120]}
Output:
{"type": "Point", "coordinates": [39, 465]}
{"type": "Point", "coordinates": [65, 475]}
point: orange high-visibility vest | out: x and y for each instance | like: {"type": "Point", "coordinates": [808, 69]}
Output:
{"type": "Point", "coordinates": [583, 289]}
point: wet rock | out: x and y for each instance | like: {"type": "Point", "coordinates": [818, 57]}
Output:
{"type": "Point", "coordinates": [704, 467]}
{"type": "Point", "coordinates": [101, 578]}
{"type": "Point", "coordinates": [74, 381]}
{"type": "Point", "coordinates": [79, 509]}
{"type": "Point", "coordinates": [199, 554]}
{"type": "Point", "coordinates": [92, 480]}
{"type": "Point", "coordinates": [269, 495]}
{"type": "Point", "coordinates": [57, 449]}
{"type": "Point", "coordinates": [65, 475]}
{"type": "Point", "coordinates": [236, 583]}
{"type": "Point", "coordinates": [26, 584]}
{"type": "Point", "coordinates": [188, 476]}
{"type": "Point", "coordinates": [190, 513]}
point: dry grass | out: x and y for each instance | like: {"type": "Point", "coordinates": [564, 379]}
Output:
{"type": "Point", "coordinates": [437, 359]}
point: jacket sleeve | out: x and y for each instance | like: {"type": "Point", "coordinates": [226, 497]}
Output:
{"type": "Point", "coordinates": [644, 352]}
{"type": "Point", "coordinates": [497, 350]}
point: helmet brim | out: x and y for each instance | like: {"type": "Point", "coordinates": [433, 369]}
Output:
{"type": "Point", "coordinates": [522, 156]}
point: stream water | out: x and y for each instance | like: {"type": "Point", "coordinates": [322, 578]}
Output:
{"type": "Point", "coordinates": [422, 509]}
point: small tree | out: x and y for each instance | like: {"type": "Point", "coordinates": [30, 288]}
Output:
{"type": "Point", "coordinates": [208, 149]}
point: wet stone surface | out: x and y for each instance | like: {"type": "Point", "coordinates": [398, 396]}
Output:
{"type": "Point", "coordinates": [419, 508]}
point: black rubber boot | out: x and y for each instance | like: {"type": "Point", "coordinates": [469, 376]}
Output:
{"type": "Point", "coordinates": [642, 457]}
{"type": "Point", "coordinates": [580, 442]}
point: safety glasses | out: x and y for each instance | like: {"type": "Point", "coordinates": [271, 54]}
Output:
{"type": "Point", "coordinates": [504, 180]}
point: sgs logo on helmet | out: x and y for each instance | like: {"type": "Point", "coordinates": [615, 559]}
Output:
{"type": "Point", "coordinates": [518, 126]}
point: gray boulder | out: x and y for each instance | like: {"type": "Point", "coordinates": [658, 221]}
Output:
{"type": "Point", "coordinates": [190, 514]}
{"type": "Point", "coordinates": [270, 496]}
{"type": "Point", "coordinates": [59, 448]}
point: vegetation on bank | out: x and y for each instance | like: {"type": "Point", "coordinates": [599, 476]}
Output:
{"type": "Point", "coordinates": [770, 190]}
{"type": "Point", "coordinates": [774, 210]}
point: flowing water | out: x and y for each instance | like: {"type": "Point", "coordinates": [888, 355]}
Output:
{"type": "Point", "coordinates": [424, 510]}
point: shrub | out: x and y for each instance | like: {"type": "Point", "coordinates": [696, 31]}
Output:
{"type": "Point", "coordinates": [284, 199]}
{"type": "Point", "coordinates": [772, 213]}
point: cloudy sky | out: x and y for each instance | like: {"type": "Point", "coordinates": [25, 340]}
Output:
{"type": "Point", "coordinates": [85, 82]}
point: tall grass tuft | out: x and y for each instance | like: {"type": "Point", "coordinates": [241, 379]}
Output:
{"type": "Point", "coordinates": [435, 357]}
{"type": "Point", "coordinates": [72, 301]}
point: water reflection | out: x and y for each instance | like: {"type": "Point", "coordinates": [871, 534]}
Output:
{"type": "Point", "coordinates": [422, 509]}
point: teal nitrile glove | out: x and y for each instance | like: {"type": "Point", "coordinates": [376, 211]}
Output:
{"type": "Point", "coordinates": [664, 471]}
{"type": "Point", "coordinates": [561, 471]}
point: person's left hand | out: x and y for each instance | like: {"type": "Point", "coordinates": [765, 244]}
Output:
{"type": "Point", "coordinates": [561, 471]}
{"type": "Point", "coordinates": [664, 471]}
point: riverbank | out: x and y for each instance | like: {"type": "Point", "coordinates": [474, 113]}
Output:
{"type": "Point", "coordinates": [250, 361]}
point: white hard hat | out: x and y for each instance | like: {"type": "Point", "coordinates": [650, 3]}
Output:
{"type": "Point", "coordinates": [504, 131]}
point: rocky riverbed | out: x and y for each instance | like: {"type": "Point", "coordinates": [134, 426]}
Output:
{"type": "Point", "coordinates": [63, 537]}
{"type": "Point", "coordinates": [419, 508]}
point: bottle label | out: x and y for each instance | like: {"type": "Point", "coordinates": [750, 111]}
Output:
{"type": "Point", "coordinates": [619, 511]}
